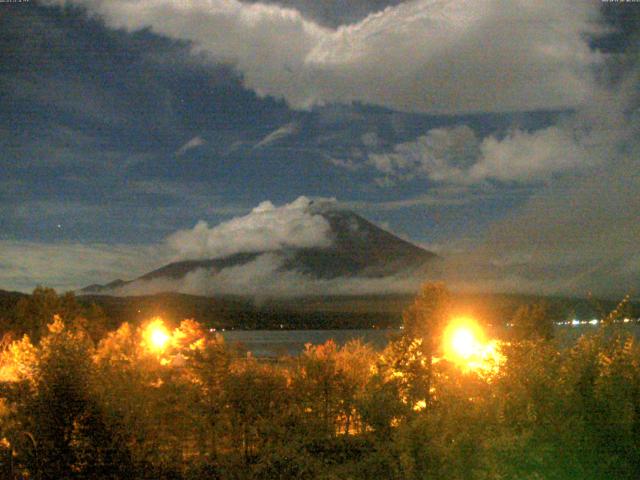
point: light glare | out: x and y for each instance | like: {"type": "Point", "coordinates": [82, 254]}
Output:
{"type": "Point", "coordinates": [156, 335]}
{"type": "Point", "coordinates": [465, 344]}
{"type": "Point", "coordinates": [159, 338]}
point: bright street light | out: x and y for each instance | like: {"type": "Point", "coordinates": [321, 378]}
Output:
{"type": "Point", "coordinates": [155, 335]}
{"type": "Point", "coordinates": [465, 344]}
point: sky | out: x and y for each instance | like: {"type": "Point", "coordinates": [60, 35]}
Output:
{"type": "Point", "coordinates": [503, 135]}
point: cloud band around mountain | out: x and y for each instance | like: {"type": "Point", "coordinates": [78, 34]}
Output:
{"type": "Point", "coordinates": [265, 228]}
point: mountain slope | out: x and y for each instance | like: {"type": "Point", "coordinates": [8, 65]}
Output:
{"type": "Point", "coordinates": [358, 248]}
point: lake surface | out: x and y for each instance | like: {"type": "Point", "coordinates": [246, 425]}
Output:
{"type": "Point", "coordinates": [274, 343]}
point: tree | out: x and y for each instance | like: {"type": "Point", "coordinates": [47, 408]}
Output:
{"type": "Point", "coordinates": [62, 414]}
{"type": "Point", "coordinates": [206, 366]}
{"type": "Point", "coordinates": [533, 322]}
{"type": "Point", "coordinates": [94, 321]}
{"type": "Point", "coordinates": [257, 399]}
{"type": "Point", "coordinates": [317, 383]}
{"type": "Point", "coordinates": [424, 321]}
{"type": "Point", "coordinates": [34, 312]}
{"type": "Point", "coordinates": [354, 361]}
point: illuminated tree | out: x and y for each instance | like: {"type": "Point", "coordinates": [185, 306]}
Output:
{"type": "Point", "coordinates": [141, 396]}
{"type": "Point", "coordinates": [205, 362]}
{"type": "Point", "coordinates": [403, 364]}
{"type": "Point", "coordinates": [34, 312]}
{"type": "Point", "coordinates": [18, 368]}
{"type": "Point", "coordinates": [381, 406]}
{"type": "Point", "coordinates": [61, 415]}
{"type": "Point", "coordinates": [317, 382]}
{"type": "Point", "coordinates": [424, 321]}
{"type": "Point", "coordinates": [354, 360]}
{"type": "Point", "coordinates": [602, 378]}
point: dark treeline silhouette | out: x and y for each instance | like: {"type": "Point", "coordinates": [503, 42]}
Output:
{"type": "Point", "coordinates": [317, 312]}
{"type": "Point", "coordinates": [150, 400]}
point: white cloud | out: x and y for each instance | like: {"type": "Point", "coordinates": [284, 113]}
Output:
{"type": "Point", "coordinates": [277, 135]}
{"type": "Point", "coordinates": [69, 266]}
{"type": "Point", "coordinates": [450, 195]}
{"type": "Point", "coordinates": [263, 277]}
{"type": "Point", "coordinates": [266, 228]}
{"type": "Point", "coordinates": [347, 164]}
{"type": "Point", "coordinates": [421, 55]}
{"type": "Point", "coordinates": [456, 155]}
{"type": "Point", "coordinates": [441, 155]}
{"type": "Point", "coordinates": [195, 142]}
{"type": "Point", "coordinates": [523, 156]}
{"type": "Point", "coordinates": [370, 139]}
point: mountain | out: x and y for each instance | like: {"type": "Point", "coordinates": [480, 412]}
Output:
{"type": "Point", "coordinates": [95, 287]}
{"type": "Point", "coordinates": [358, 249]}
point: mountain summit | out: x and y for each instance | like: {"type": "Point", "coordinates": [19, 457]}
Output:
{"type": "Point", "coordinates": [349, 247]}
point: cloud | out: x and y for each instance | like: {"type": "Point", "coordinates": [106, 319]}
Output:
{"type": "Point", "coordinates": [455, 155]}
{"type": "Point", "coordinates": [195, 142]}
{"type": "Point", "coordinates": [523, 156]}
{"type": "Point", "coordinates": [277, 135]}
{"type": "Point", "coordinates": [451, 195]}
{"type": "Point", "coordinates": [69, 266]}
{"type": "Point", "coordinates": [336, 12]}
{"type": "Point", "coordinates": [577, 233]}
{"type": "Point", "coordinates": [370, 139]}
{"type": "Point", "coordinates": [266, 228]}
{"type": "Point", "coordinates": [418, 56]}
{"type": "Point", "coordinates": [441, 155]}
{"type": "Point", "coordinates": [347, 164]}
{"type": "Point", "coordinates": [263, 277]}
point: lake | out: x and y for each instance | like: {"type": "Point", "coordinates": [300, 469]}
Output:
{"type": "Point", "coordinates": [274, 343]}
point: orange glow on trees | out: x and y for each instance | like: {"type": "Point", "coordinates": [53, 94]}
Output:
{"type": "Point", "coordinates": [465, 344]}
{"type": "Point", "coordinates": [155, 335]}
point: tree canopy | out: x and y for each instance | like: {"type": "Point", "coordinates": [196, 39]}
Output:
{"type": "Point", "coordinates": [156, 400]}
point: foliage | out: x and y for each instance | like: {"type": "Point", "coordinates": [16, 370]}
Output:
{"type": "Point", "coordinates": [532, 321]}
{"type": "Point", "coordinates": [34, 312]}
{"type": "Point", "coordinates": [190, 407]}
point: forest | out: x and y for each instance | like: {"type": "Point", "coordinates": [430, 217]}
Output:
{"type": "Point", "coordinates": [83, 399]}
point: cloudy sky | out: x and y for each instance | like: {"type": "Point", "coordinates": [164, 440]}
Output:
{"type": "Point", "coordinates": [503, 134]}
